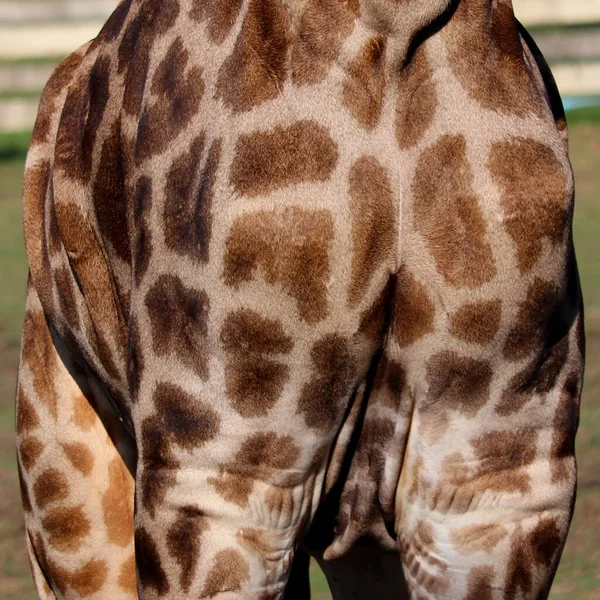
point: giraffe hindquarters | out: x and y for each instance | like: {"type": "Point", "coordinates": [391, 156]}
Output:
{"type": "Point", "coordinates": [77, 491]}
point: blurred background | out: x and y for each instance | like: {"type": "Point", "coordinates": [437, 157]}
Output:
{"type": "Point", "coordinates": [36, 35]}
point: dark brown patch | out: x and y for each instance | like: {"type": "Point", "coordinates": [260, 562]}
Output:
{"type": "Point", "coordinates": [80, 456]}
{"type": "Point", "coordinates": [256, 70]}
{"type": "Point", "coordinates": [290, 248]}
{"type": "Point", "coordinates": [538, 377]}
{"type": "Point", "coordinates": [179, 320]}
{"type": "Point", "coordinates": [116, 504]}
{"type": "Point", "coordinates": [477, 322]}
{"type": "Point", "coordinates": [448, 215]}
{"type": "Point", "coordinates": [184, 542]}
{"type": "Point", "coordinates": [228, 573]}
{"type": "Point", "coordinates": [108, 195]}
{"type": "Point", "coordinates": [114, 25]}
{"type": "Point", "coordinates": [374, 321]}
{"type": "Point", "coordinates": [479, 583]}
{"type": "Point", "coordinates": [373, 223]}
{"type": "Point", "coordinates": [323, 398]}
{"type": "Point", "coordinates": [27, 417]}
{"type": "Point", "coordinates": [142, 235]}
{"type": "Point", "coordinates": [262, 457]}
{"type": "Point", "coordinates": [486, 56]}
{"type": "Point", "coordinates": [30, 449]}
{"type": "Point", "coordinates": [154, 18]}
{"type": "Point", "coordinates": [135, 361]}
{"type": "Point", "coordinates": [65, 286]}
{"type": "Point", "coordinates": [318, 44]}
{"type": "Point", "coordinates": [179, 90]}
{"type": "Point", "coordinates": [127, 576]}
{"type": "Point", "coordinates": [416, 100]}
{"type": "Point", "coordinates": [267, 161]}
{"type": "Point", "coordinates": [413, 313]}
{"type": "Point", "coordinates": [536, 196]}
{"type": "Point", "coordinates": [150, 571]}
{"type": "Point", "coordinates": [364, 87]}
{"type": "Point", "coordinates": [40, 355]}
{"type": "Point", "coordinates": [219, 16]}
{"type": "Point", "coordinates": [66, 528]}
{"type": "Point", "coordinates": [81, 118]}
{"type": "Point", "coordinates": [182, 420]}
{"type": "Point", "coordinates": [531, 328]}
{"type": "Point", "coordinates": [57, 84]}
{"type": "Point", "coordinates": [90, 578]}
{"type": "Point", "coordinates": [188, 202]}
{"type": "Point", "coordinates": [254, 380]}
{"type": "Point", "coordinates": [566, 420]}
{"type": "Point", "coordinates": [51, 486]}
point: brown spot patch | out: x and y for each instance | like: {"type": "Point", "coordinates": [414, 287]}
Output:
{"type": "Point", "coordinates": [182, 420]}
{"type": "Point", "coordinates": [84, 415]}
{"type": "Point", "coordinates": [448, 215]}
{"type": "Point", "coordinates": [30, 449]}
{"type": "Point", "coordinates": [228, 573]}
{"type": "Point", "coordinates": [51, 486]}
{"type": "Point", "coordinates": [114, 25]}
{"type": "Point", "coordinates": [40, 355]}
{"type": "Point", "coordinates": [414, 313]}
{"type": "Point", "coordinates": [154, 18]}
{"type": "Point", "coordinates": [81, 118]}
{"type": "Point", "coordinates": [531, 326]}
{"type": "Point", "coordinates": [455, 383]}
{"type": "Point", "coordinates": [65, 287]}
{"type": "Point", "coordinates": [416, 100]}
{"type": "Point", "coordinates": [149, 568]}
{"type": "Point", "coordinates": [256, 70]}
{"type": "Point", "coordinates": [254, 380]}
{"type": "Point", "coordinates": [80, 456]}
{"type": "Point", "coordinates": [189, 196]}
{"type": "Point", "coordinates": [108, 194]}
{"type": "Point", "coordinates": [179, 90]}
{"type": "Point", "coordinates": [318, 44]}
{"type": "Point", "coordinates": [566, 420]}
{"type": "Point", "coordinates": [116, 504]}
{"type": "Point", "coordinates": [267, 161]}
{"type": "Point", "coordinates": [179, 320]}
{"type": "Point", "coordinates": [90, 578]}
{"type": "Point", "coordinates": [57, 84]}
{"type": "Point", "coordinates": [364, 87]}
{"type": "Point", "coordinates": [536, 196]}
{"type": "Point", "coordinates": [479, 583]}
{"type": "Point", "coordinates": [135, 360]}
{"type": "Point", "coordinates": [477, 538]}
{"type": "Point", "coordinates": [390, 384]}
{"type": "Point", "coordinates": [289, 247]}
{"type": "Point", "coordinates": [142, 235]}
{"type": "Point", "coordinates": [373, 223]}
{"type": "Point", "coordinates": [66, 528]}
{"type": "Point", "coordinates": [477, 322]}
{"type": "Point", "coordinates": [323, 398]}
{"type": "Point", "coordinates": [218, 16]}
{"type": "Point", "coordinates": [184, 541]}
{"type": "Point", "coordinates": [27, 417]}
{"type": "Point", "coordinates": [486, 56]}
{"type": "Point", "coordinates": [127, 576]}
{"type": "Point", "coordinates": [262, 457]}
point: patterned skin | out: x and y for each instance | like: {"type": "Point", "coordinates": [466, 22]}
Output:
{"type": "Point", "coordinates": [302, 281]}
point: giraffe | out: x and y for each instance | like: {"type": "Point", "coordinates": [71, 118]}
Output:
{"type": "Point", "coordinates": [302, 282]}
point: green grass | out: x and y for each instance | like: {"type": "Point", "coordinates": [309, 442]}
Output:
{"type": "Point", "coordinates": [578, 577]}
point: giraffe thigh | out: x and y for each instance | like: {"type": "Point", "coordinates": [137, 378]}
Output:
{"type": "Point", "coordinates": [77, 490]}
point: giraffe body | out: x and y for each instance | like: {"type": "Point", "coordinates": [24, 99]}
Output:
{"type": "Point", "coordinates": [301, 274]}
